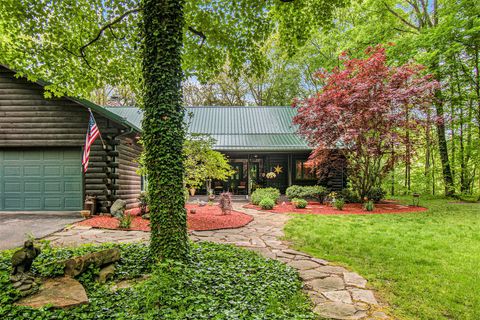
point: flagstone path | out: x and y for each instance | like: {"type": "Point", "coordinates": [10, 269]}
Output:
{"type": "Point", "coordinates": [336, 292]}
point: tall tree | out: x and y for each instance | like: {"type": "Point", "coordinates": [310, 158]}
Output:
{"type": "Point", "coordinates": [363, 109]}
{"type": "Point", "coordinates": [82, 45]}
{"type": "Point", "coordinates": [163, 129]}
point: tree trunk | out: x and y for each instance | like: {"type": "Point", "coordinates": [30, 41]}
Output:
{"type": "Point", "coordinates": [163, 129]}
{"type": "Point", "coordinates": [442, 147]}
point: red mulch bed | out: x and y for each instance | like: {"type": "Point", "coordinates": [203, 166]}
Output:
{"type": "Point", "coordinates": [205, 218]}
{"type": "Point", "coordinates": [384, 207]}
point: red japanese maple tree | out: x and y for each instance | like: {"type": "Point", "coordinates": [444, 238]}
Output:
{"type": "Point", "coordinates": [368, 110]}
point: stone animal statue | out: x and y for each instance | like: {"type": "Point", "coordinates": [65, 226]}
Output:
{"type": "Point", "coordinates": [118, 208]}
{"type": "Point", "coordinates": [22, 259]}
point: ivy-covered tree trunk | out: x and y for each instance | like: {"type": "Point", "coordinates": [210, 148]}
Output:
{"type": "Point", "coordinates": [163, 130]}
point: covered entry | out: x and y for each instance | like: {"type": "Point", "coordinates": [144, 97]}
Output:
{"type": "Point", "coordinates": [40, 179]}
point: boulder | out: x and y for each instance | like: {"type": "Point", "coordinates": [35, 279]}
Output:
{"type": "Point", "coordinates": [75, 266]}
{"type": "Point", "coordinates": [61, 292]}
{"type": "Point", "coordinates": [118, 208]}
{"type": "Point", "coordinates": [106, 273]}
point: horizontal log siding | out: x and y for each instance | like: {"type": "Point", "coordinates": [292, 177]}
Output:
{"type": "Point", "coordinates": [27, 119]}
{"type": "Point", "coordinates": [129, 181]}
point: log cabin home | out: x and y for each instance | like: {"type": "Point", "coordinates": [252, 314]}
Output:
{"type": "Point", "coordinates": [41, 145]}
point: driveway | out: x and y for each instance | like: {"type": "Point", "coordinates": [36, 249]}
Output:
{"type": "Point", "coordinates": [15, 226]}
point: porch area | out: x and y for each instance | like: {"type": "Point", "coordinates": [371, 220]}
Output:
{"type": "Point", "coordinates": [262, 170]}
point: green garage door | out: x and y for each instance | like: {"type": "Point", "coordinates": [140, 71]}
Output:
{"type": "Point", "coordinates": [40, 180]}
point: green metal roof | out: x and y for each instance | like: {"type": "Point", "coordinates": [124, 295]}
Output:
{"type": "Point", "coordinates": [237, 128]}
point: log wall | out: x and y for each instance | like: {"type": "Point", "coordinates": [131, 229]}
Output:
{"type": "Point", "coordinates": [28, 119]}
{"type": "Point", "coordinates": [129, 182]}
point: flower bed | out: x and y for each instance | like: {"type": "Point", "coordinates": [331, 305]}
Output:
{"type": "Point", "coordinates": [205, 218]}
{"type": "Point", "coordinates": [385, 207]}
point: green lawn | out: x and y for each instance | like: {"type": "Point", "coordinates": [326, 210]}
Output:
{"type": "Point", "coordinates": [425, 265]}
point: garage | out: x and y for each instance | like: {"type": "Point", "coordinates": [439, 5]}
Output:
{"type": "Point", "coordinates": [47, 179]}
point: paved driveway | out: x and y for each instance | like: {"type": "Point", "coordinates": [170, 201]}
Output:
{"type": "Point", "coordinates": [15, 226]}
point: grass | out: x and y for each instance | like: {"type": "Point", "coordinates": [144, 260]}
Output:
{"type": "Point", "coordinates": [425, 265]}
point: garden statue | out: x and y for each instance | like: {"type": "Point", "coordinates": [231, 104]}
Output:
{"type": "Point", "coordinates": [118, 208]}
{"type": "Point", "coordinates": [225, 202]}
{"type": "Point", "coordinates": [22, 259]}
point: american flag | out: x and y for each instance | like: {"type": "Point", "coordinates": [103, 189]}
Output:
{"type": "Point", "coordinates": [92, 134]}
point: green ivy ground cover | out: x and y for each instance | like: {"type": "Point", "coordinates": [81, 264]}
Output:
{"type": "Point", "coordinates": [219, 282]}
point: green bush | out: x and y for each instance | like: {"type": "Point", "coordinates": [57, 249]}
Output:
{"type": "Point", "coordinates": [267, 203]}
{"type": "Point", "coordinates": [306, 192]}
{"type": "Point", "coordinates": [299, 203]}
{"type": "Point", "coordinates": [219, 282]}
{"type": "Point", "coordinates": [125, 221]}
{"type": "Point", "coordinates": [376, 194]}
{"type": "Point", "coordinates": [369, 206]}
{"type": "Point", "coordinates": [294, 191]}
{"type": "Point", "coordinates": [262, 193]}
{"type": "Point", "coordinates": [339, 203]}
{"type": "Point", "coordinates": [349, 196]}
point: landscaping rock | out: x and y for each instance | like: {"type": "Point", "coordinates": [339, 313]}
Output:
{"type": "Point", "coordinates": [311, 274]}
{"type": "Point", "coordinates": [118, 208]}
{"type": "Point", "coordinates": [62, 292]}
{"type": "Point", "coordinates": [303, 264]}
{"type": "Point", "coordinates": [335, 310]}
{"type": "Point", "coordinates": [75, 266]}
{"type": "Point", "coordinates": [106, 273]}
{"type": "Point", "coordinates": [331, 283]}
{"type": "Point", "coordinates": [25, 283]}
{"type": "Point", "coordinates": [364, 295]}
{"type": "Point", "coordinates": [333, 269]}
{"type": "Point", "coordinates": [354, 279]}
{"type": "Point", "coordinates": [338, 296]}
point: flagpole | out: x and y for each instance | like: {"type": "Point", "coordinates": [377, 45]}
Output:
{"type": "Point", "coordinates": [100, 133]}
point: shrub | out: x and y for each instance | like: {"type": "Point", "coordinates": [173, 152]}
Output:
{"type": "Point", "coordinates": [262, 193]}
{"type": "Point", "coordinates": [143, 200]}
{"type": "Point", "coordinates": [369, 206]}
{"type": "Point", "coordinates": [339, 203]}
{"type": "Point", "coordinates": [307, 192]}
{"type": "Point", "coordinates": [376, 194]}
{"type": "Point", "coordinates": [125, 221]}
{"type": "Point", "coordinates": [294, 192]}
{"type": "Point", "coordinates": [267, 203]}
{"type": "Point", "coordinates": [299, 203]}
{"type": "Point", "coordinates": [349, 196]}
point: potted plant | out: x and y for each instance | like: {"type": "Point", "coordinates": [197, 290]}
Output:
{"type": "Point", "coordinates": [85, 214]}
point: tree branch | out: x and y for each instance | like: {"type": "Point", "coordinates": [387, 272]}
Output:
{"type": "Point", "coordinates": [101, 31]}
{"type": "Point", "coordinates": [198, 33]}
{"type": "Point", "coordinates": [400, 17]}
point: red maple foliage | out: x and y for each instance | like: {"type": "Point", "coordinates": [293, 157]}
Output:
{"type": "Point", "coordinates": [367, 109]}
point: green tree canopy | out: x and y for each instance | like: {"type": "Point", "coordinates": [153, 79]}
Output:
{"type": "Point", "coordinates": [83, 45]}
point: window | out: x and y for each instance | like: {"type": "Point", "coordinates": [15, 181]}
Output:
{"type": "Point", "coordinates": [304, 170]}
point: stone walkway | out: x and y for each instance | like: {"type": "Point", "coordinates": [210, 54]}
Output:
{"type": "Point", "coordinates": [335, 292]}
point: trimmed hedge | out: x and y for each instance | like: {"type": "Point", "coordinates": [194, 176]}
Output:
{"type": "Point", "coordinates": [267, 203]}
{"type": "Point", "coordinates": [306, 192]}
{"type": "Point", "coordinates": [299, 203]}
{"type": "Point", "coordinates": [262, 193]}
